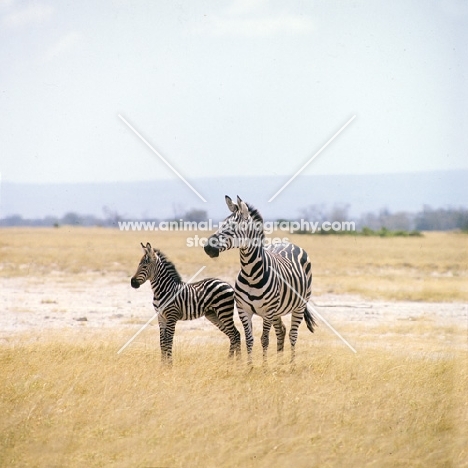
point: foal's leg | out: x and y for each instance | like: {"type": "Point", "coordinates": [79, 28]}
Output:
{"type": "Point", "coordinates": [215, 320]}
{"type": "Point", "coordinates": [226, 325]}
{"type": "Point", "coordinates": [162, 336]}
{"type": "Point", "coordinates": [169, 337]}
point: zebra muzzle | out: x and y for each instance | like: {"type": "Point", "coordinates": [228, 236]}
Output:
{"type": "Point", "coordinates": [213, 252]}
{"type": "Point", "coordinates": [134, 282]}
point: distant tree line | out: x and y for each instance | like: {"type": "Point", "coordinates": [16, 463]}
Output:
{"type": "Point", "coordinates": [429, 219]}
{"type": "Point", "coordinates": [110, 218]}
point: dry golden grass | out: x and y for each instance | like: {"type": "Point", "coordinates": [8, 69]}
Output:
{"type": "Point", "coordinates": [72, 401]}
{"type": "Point", "coordinates": [429, 268]}
{"type": "Point", "coordinates": [67, 398]}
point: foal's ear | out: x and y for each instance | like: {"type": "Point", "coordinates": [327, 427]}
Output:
{"type": "Point", "coordinates": [147, 248]}
{"type": "Point", "coordinates": [230, 204]}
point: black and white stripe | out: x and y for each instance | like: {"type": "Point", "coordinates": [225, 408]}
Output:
{"type": "Point", "coordinates": [210, 297]}
{"type": "Point", "coordinates": [258, 289]}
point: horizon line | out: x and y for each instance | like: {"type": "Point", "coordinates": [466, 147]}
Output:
{"type": "Point", "coordinates": [426, 171]}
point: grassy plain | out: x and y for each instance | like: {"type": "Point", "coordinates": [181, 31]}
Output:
{"type": "Point", "coordinates": [68, 399]}
{"type": "Point", "coordinates": [74, 402]}
{"type": "Point", "coordinates": [429, 268]}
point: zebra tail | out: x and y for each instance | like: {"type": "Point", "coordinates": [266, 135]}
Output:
{"type": "Point", "coordinates": [309, 318]}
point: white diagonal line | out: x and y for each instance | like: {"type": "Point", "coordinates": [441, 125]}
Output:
{"type": "Point", "coordinates": [162, 158]}
{"type": "Point", "coordinates": [169, 301]}
{"type": "Point", "coordinates": [319, 315]}
{"type": "Point", "coordinates": [137, 333]}
{"type": "Point", "coordinates": [312, 158]}
{"type": "Point", "coordinates": [332, 329]}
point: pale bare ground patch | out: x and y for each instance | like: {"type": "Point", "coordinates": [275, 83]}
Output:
{"type": "Point", "coordinates": [103, 301]}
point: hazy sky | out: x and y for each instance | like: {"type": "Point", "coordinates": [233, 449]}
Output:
{"type": "Point", "coordinates": [230, 87]}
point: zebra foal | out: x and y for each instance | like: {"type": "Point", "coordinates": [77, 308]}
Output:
{"type": "Point", "coordinates": [273, 281]}
{"type": "Point", "coordinates": [176, 300]}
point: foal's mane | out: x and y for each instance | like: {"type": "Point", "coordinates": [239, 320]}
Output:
{"type": "Point", "coordinates": [169, 266]}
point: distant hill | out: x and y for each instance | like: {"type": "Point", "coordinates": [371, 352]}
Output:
{"type": "Point", "coordinates": [168, 198]}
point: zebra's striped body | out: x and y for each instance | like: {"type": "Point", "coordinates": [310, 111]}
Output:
{"type": "Point", "coordinates": [273, 281]}
{"type": "Point", "coordinates": [176, 300]}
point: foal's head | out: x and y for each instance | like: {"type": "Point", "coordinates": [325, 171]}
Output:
{"type": "Point", "coordinates": [146, 267]}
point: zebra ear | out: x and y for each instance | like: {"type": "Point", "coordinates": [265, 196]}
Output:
{"type": "Point", "coordinates": [142, 245]}
{"type": "Point", "coordinates": [230, 204]}
{"type": "Point", "coordinates": [149, 249]}
{"type": "Point", "coordinates": [244, 209]}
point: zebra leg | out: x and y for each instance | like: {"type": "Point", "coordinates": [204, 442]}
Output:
{"type": "Point", "coordinates": [169, 337]}
{"type": "Point", "coordinates": [162, 337]}
{"type": "Point", "coordinates": [232, 332]}
{"type": "Point", "coordinates": [228, 328]}
{"type": "Point", "coordinates": [296, 320]}
{"type": "Point", "coordinates": [235, 338]}
{"type": "Point", "coordinates": [246, 319]}
{"type": "Point", "coordinates": [280, 330]}
{"type": "Point", "coordinates": [265, 337]}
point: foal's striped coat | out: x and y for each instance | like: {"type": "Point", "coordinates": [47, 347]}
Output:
{"type": "Point", "coordinates": [175, 300]}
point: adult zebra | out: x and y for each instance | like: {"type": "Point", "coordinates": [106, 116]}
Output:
{"type": "Point", "coordinates": [176, 300]}
{"type": "Point", "coordinates": [273, 281]}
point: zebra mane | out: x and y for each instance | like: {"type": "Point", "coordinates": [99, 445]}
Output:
{"type": "Point", "coordinates": [254, 213]}
{"type": "Point", "coordinates": [169, 266]}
